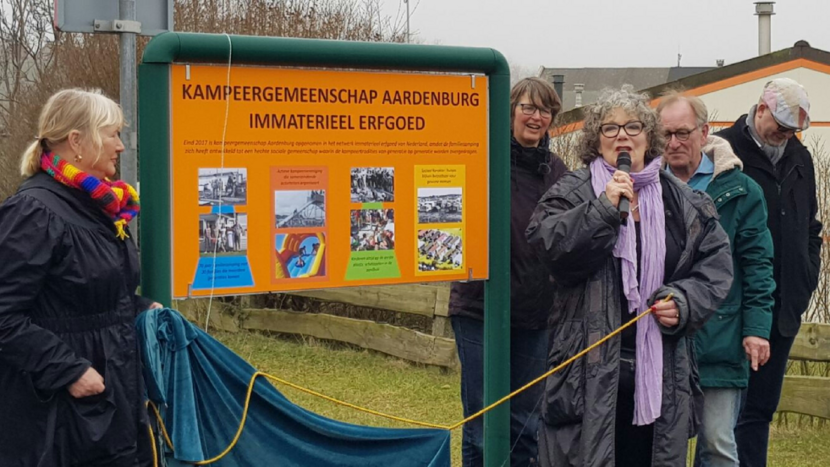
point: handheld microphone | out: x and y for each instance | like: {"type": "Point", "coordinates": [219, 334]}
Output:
{"type": "Point", "coordinates": [624, 165]}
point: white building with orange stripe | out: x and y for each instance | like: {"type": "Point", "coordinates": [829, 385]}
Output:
{"type": "Point", "coordinates": [730, 91]}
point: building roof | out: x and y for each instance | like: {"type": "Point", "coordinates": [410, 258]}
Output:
{"type": "Point", "coordinates": [597, 79]}
{"type": "Point", "coordinates": [800, 51]}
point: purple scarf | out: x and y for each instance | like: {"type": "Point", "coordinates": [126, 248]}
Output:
{"type": "Point", "coordinates": [648, 384]}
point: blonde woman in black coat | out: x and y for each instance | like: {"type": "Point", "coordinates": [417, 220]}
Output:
{"type": "Point", "coordinates": [69, 362]}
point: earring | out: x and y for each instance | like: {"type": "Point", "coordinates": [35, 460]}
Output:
{"type": "Point", "coordinates": [78, 158]}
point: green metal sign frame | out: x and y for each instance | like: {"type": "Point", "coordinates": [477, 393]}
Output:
{"type": "Point", "coordinates": [154, 152]}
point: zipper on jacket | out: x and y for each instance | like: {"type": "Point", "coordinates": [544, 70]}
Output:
{"type": "Point", "coordinates": [778, 182]}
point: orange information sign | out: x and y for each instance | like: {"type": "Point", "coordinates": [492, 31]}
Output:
{"type": "Point", "coordinates": [290, 179]}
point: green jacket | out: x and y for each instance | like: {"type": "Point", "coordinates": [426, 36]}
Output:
{"type": "Point", "coordinates": [747, 310]}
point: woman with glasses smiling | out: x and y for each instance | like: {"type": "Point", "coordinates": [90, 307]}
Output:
{"type": "Point", "coordinates": [631, 401]}
{"type": "Point", "coordinates": [533, 104]}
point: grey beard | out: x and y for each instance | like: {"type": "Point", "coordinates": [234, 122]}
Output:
{"type": "Point", "coordinates": [774, 153]}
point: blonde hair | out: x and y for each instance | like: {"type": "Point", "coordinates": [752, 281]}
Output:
{"type": "Point", "coordinates": [698, 107]}
{"type": "Point", "coordinates": [66, 111]}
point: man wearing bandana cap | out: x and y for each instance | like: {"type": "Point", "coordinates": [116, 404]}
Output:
{"type": "Point", "coordinates": [782, 166]}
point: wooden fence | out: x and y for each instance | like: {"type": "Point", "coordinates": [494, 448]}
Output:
{"type": "Point", "coordinates": [808, 395]}
{"type": "Point", "coordinates": [429, 301]}
{"type": "Point", "coordinates": [803, 394]}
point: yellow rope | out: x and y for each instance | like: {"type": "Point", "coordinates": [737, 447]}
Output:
{"type": "Point", "coordinates": [358, 408]}
{"type": "Point", "coordinates": [392, 417]}
{"type": "Point", "coordinates": [161, 424]}
{"type": "Point", "coordinates": [241, 423]}
{"type": "Point", "coordinates": [554, 370]}
{"type": "Point", "coordinates": [153, 445]}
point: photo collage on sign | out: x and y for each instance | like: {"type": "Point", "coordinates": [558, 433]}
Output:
{"type": "Point", "coordinates": [299, 224]}
{"type": "Point", "coordinates": [440, 216]}
{"type": "Point", "coordinates": [372, 226]}
{"type": "Point", "coordinates": [319, 178]}
{"type": "Point", "coordinates": [223, 231]}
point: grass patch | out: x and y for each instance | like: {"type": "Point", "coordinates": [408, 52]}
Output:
{"type": "Point", "coordinates": [794, 447]}
{"type": "Point", "coordinates": [360, 377]}
{"type": "Point", "coordinates": [423, 393]}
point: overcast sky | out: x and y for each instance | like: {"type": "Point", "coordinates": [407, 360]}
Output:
{"type": "Point", "coordinates": [613, 33]}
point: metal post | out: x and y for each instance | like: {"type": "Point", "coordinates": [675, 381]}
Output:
{"type": "Point", "coordinates": [129, 165]}
{"type": "Point", "coordinates": [497, 289]}
{"type": "Point", "coordinates": [407, 20]}
{"type": "Point", "coordinates": [156, 256]}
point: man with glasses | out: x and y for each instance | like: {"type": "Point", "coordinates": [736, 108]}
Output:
{"type": "Point", "coordinates": [782, 166]}
{"type": "Point", "coordinates": [736, 337]}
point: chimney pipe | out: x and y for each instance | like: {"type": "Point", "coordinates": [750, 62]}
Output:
{"type": "Point", "coordinates": [558, 85]}
{"type": "Point", "coordinates": [764, 11]}
{"type": "Point", "coordinates": [578, 88]}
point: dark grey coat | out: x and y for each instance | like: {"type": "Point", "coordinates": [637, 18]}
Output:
{"type": "Point", "coordinates": [575, 233]}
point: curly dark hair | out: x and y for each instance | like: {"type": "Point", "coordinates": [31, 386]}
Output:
{"type": "Point", "coordinates": [634, 103]}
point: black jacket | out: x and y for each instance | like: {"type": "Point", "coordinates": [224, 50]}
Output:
{"type": "Point", "coordinates": [67, 302]}
{"type": "Point", "coordinates": [533, 171]}
{"type": "Point", "coordinates": [790, 193]}
{"type": "Point", "coordinates": [575, 233]}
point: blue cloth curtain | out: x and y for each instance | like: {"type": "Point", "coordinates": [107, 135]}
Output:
{"type": "Point", "coordinates": [199, 386]}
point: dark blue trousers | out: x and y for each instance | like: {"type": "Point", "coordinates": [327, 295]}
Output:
{"type": "Point", "coordinates": [528, 351]}
{"type": "Point", "coordinates": [760, 400]}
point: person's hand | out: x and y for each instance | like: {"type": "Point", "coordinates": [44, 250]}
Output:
{"type": "Point", "coordinates": [89, 384]}
{"type": "Point", "coordinates": [757, 351]}
{"type": "Point", "coordinates": [619, 185]}
{"type": "Point", "coordinates": [667, 313]}
{"type": "Point", "coordinates": [156, 305]}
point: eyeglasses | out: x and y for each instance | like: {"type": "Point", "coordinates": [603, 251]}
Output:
{"type": "Point", "coordinates": [787, 131]}
{"type": "Point", "coordinates": [681, 135]}
{"type": "Point", "coordinates": [781, 128]}
{"type": "Point", "coordinates": [611, 130]}
{"type": "Point", "coordinates": [530, 109]}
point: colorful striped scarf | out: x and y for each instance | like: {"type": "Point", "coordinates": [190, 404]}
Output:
{"type": "Point", "coordinates": [118, 199]}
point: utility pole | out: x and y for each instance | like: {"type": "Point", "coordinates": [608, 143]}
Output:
{"type": "Point", "coordinates": [119, 17]}
{"type": "Point", "coordinates": [127, 57]}
{"type": "Point", "coordinates": [407, 20]}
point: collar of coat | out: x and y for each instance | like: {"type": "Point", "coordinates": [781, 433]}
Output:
{"type": "Point", "coordinates": [720, 152]}
{"type": "Point", "coordinates": [77, 207]}
{"type": "Point", "coordinates": [738, 134]}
